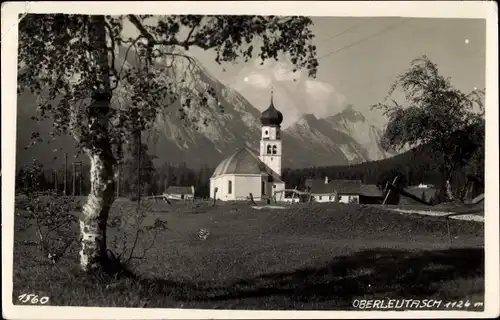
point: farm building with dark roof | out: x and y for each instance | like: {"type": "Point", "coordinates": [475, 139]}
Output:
{"type": "Point", "coordinates": [180, 192]}
{"type": "Point", "coordinates": [343, 191]}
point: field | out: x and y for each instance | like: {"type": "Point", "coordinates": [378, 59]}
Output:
{"type": "Point", "coordinates": [320, 256]}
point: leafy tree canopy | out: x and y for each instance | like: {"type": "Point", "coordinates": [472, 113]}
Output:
{"type": "Point", "coordinates": [56, 62]}
{"type": "Point", "coordinates": [436, 114]}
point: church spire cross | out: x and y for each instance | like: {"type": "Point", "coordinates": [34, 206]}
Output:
{"type": "Point", "coordinates": [272, 94]}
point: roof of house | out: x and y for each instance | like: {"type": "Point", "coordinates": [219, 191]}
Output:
{"type": "Point", "coordinates": [319, 186]}
{"type": "Point", "coordinates": [371, 190]}
{"type": "Point", "coordinates": [245, 161]}
{"type": "Point", "coordinates": [180, 190]}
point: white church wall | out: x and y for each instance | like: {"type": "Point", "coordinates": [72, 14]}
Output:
{"type": "Point", "coordinates": [241, 187]}
{"type": "Point", "coordinates": [221, 184]}
{"type": "Point", "coordinates": [212, 186]}
{"type": "Point", "coordinates": [246, 184]}
{"type": "Point", "coordinates": [225, 192]}
{"type": "Point", "coordinates": [228, 187]}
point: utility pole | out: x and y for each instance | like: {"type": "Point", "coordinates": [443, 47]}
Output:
{"type": "Point", "coordinates": [138, 139]}
{"type": "Point", "coordinates": [118, 180]}
{"type": "Point", "coordinates": [55, 180]}
{"type": "Point", "coordinates": [74, 179]}
{"type": "Point", "coordinates": [65, 174]}
{"type": "Point", "coordinates": [81, 178]}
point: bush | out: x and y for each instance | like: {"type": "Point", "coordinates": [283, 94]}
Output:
{"type": "Point", "coordinates": [52, 217]}
{"type": "Point", "coordinates": [134, 237]}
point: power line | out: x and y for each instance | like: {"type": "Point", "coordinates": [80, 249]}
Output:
{"type": "Point", "coordinates": [341, 33]}
{"type": "Point", "coordinates": [392, 26]}
{"type": "Point", "coordinates": [365, 38]}
{"type": "Point", "coordinates": [354, 43]}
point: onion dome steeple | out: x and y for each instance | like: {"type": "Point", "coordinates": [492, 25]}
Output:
{"type": "Point", "coordinates": [271, 116]}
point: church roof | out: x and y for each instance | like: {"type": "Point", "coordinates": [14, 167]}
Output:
{"type": "Point", "coordinates": [271, 116]}
{"type": "Point", "coordinates": [245, 161]}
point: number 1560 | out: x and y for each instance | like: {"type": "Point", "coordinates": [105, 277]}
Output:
{"type": "Point", "coordinates": [32, 298]}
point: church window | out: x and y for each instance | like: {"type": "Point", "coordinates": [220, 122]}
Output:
{"type": "Point", "coordinates": [275, 149]}
{"type": "Point", "coordinates": [268, 149]}
{"type": "Point", "coordinates": [266, 132]}
{"type": "Point", "coordinates": [229, 187]}
{"type": "Point", "coordinates": [277, 134]}
{"type": "Point", "coordinates": [320, 197]}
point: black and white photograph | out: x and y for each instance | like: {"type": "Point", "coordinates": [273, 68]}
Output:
{"type": "Point", "coordinates": [253, 159]}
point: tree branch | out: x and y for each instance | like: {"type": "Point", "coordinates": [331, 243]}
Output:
{"type": "Point", "coordinates": [152, 41]}
{"type": "Point", "coordinates": [113, 58]}
{"type": "Point", "coordinates": [137, 233]}
{"type": "Point", "coordinates": [189, 35]}
{"type": "Point", "coordinates": [133, 43]}
{"type": "Point", "coordinates": [145, 33]}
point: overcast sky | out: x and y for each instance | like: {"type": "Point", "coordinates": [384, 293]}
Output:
{"type": "Point", "coordinates": [359, 58]}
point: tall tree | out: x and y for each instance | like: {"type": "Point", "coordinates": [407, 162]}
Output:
{"type": "Point", "coordinates": [437, 116]}
{"type": "Point", "coordinates": [70, 63]}
{"type": "Point", "coordinates": [138, 171]}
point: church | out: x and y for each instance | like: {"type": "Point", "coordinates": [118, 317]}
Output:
{"type": "Point", "coordinates": [246, 172]}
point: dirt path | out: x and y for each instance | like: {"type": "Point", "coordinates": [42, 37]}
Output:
{"type": "Point", "coordinates": [464, 217]}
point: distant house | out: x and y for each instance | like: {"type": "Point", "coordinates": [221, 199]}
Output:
{"type": "Point", "coordinates": [342, 191]}
{"type": "Point", "coordinates": [179, 193]}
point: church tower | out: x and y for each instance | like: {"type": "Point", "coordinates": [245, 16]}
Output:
{"type": "Point", "coordinates": [270, 141]}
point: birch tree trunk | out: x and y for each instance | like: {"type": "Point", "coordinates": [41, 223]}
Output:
{"type": "Point", "coordinates": [96, 210]}
{"type": "Point", "coordinates": [98, 148]}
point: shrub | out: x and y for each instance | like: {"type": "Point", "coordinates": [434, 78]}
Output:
{"type": "Point", "coordinates": [134, 236]}
{"type": "Point", "coordinates": [52, 217]}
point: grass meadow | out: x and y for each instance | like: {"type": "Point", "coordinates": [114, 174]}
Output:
{"type": "Point", "coordinates": [309, 256]}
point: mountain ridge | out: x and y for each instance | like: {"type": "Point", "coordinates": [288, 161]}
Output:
{"type": "Point", "coordinates": [309, 141]}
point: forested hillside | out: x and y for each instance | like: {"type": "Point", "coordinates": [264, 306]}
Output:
{"type": "Point", "coordinates": [412, 167]}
